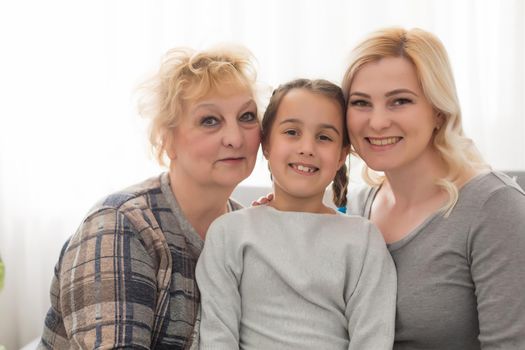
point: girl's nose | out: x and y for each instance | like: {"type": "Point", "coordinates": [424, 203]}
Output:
{"type": "Point", "coordinates": [306, 147]}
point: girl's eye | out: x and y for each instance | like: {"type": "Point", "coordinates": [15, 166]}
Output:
{"type": "Point", "coordinates": [401, 101]}
{"type": "Point", "coordinates": [359, 103]}
{"type": "Point", "coordinates": [325, 138]}
{"type": "Point", "coordinates": [248, 117]}
{"type": "Point", "coordinates": [209, 121]}
{"type": "Point", "coordinates": [291, 132]}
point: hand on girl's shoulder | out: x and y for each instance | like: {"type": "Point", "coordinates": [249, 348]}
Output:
{"type": "Point", "coordinates": [263, 200]}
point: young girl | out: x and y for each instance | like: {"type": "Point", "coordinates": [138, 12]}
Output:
{"type": "Point", "coordinates": [296, 274]}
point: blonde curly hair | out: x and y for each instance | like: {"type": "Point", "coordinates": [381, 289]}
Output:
{"type": "Point", "coordinates": [184, 77]}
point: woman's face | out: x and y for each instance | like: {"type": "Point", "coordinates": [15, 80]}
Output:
{"type": "Point", "coordinates": [217, 141]}
{"type": "Point", "coordinates": [390, 121]}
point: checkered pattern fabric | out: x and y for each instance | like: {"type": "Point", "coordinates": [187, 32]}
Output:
{"type": "Point", "coordinates": [126, 278]}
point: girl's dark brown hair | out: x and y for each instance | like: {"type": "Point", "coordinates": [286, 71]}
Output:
{"type": "Point", "coordinates": [324, 88]}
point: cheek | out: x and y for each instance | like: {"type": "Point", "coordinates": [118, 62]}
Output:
{"type": "Point", "coordinates": [278, 152]}
{"type": "Point", "coordinates": [203, 146]}
{"type": "Point", "coordinates": [355, 122]}
{"type": "Point", "coordinates": [253, 140]}
{"type": "Point", "coordinates": [333, 154]}
{"type": "Point", "coordinates": [351, 120]}
{"type": "Point", "coordinates": [175, 143]}
{"type": "Point", "coordinates": [277, 159]}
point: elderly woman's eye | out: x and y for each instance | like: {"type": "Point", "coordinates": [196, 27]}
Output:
{"type": "Point", "coordinates": [209, 121]}
{"type": "Point", "coordinates": [248, 117]}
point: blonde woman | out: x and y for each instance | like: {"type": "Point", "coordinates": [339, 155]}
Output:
{"type": "Point", "coordinates": [455, 228]}
{"type": "Point", "coordinates": [126, 278]}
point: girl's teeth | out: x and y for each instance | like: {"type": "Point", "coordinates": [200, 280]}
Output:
{"type": "Point", "coordinates": [305, 169]}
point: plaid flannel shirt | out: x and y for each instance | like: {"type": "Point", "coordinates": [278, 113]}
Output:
{"type": "Point", "coordinates": [126, 278]}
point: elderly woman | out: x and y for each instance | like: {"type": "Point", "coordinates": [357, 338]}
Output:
{"type": "Point", "coordinates": [455, 229]}
{"type": "Point", "coordinates": [126, 278]}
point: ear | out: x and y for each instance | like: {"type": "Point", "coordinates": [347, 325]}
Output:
{"type": "Point", "coordinates": [170, 151]}
{"type": "Point", "coordinates": [343, 156]}
{"type": "Point", "coordinates": [169, 145]}
{"type": "Point", "coordinates": [171, 154]}
{"type": "Point", "coordinates": [439, 120]}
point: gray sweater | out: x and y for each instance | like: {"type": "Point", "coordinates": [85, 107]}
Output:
{"type": "Point", "coordinates": [461, 279]}
{"type": "Point", "coordinates": [290, 280]}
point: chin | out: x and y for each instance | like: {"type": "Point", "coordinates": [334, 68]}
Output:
{"type": "Point", "coordinates": [232, 180]}
{"type": "Point", "coordinates": [378, 165]}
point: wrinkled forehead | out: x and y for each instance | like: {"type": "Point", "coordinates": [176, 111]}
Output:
{"type": "Point", "coordinates": [226, 94]}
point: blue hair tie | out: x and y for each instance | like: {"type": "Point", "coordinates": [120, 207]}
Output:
{"type": "Point", "coordinates": [342, 210]}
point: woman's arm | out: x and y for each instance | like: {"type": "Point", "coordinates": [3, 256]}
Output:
{"type": "Point", "coordinates": [497, 262]}
{"type": "Point", "coordinates": [218, 274]}
{"type": "Point", "coordinates": [104, 291]}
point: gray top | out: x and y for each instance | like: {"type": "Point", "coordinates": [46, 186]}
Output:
{"type": "Point", "coordinates": [461, 279]}
{"type": "Point", "coordinates": [290, 280]}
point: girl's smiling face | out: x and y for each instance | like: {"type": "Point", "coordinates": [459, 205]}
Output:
{"type": "Point", "coordinates": [304, 149]}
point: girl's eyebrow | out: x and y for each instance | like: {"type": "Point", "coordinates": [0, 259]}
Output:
{"type": "Point", "coordinates": [321, 126]}
{"type": "Point", "coordinates": [291, 121]}
{"type": "Point", "coordinates": [331, 127]}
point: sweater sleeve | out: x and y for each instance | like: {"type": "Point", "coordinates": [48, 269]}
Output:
{"type": "Point", "coordinates": [497, 261]}
{"type": "Point", "coordinates": [104, 290]}
{"type": "Point", "coordinates": [371, 308]}
{"type": "Point", "coordinates": [218, 276]}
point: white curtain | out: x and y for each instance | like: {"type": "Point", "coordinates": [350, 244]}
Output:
{"type": "Point", "coordinates": [69, 131]}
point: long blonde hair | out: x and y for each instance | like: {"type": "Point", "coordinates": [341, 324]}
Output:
{"type": "Point", "coordinates": [429, 57]}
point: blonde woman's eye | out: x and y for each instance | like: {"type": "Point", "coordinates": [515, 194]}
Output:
{"type": "Point", "coordinates": [248, 117]}
{"type": "Point", "coordinates": [359, 103]}
{"type": "Point", "coordinates": [209, 121]}
{"type": "Point", "coordinates": [401, 101]}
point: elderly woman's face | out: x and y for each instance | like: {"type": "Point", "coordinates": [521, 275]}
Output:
{"type": "Point", "coordinates": [217, 141]}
